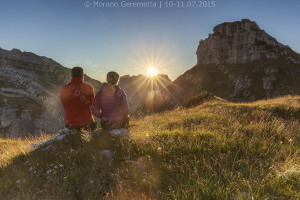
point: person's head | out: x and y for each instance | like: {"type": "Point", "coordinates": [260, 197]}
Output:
{"type": "Point", "coordinates": [76, 72]}
{"type": "Point", "coordinates": [113, 78]}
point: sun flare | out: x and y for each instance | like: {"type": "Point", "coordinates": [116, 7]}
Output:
{"type": "Point", "coordinates": [152, 71]}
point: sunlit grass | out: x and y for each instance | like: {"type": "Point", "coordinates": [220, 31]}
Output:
{"type": "Point", "coordinates": [10, 148]}
{"type": "Point", "coordinates": [218, 150]}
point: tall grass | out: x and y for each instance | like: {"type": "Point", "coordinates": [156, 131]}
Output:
{"type": "Point", "coordinates": [217, 150]}
{"type": "Point", "coordinates": [11, 147]}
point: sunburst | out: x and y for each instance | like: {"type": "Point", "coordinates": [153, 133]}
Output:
{"type": "Point", "coordinates": [152, 71]}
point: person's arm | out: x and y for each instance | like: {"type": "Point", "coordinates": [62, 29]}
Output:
{"type": "Point", "coordinates": [124, 105]}
{"type": "Point", "coordinates": [96, 107]}
{"type": "Point", "coordinates": [64, 95]}
{"type": "Point", "coordinates": [92, 97]}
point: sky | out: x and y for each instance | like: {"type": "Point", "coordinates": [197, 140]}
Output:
{"type": "Point", "coordinates": [131, 39]}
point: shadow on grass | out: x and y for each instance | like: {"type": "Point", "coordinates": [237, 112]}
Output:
{"type": "Point", "coordinates": [287, 114]}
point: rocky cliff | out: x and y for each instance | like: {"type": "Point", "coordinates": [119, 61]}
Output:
{"type": "Point", "coordinates": [240, 62]}
{"type": "Point", "coordinates": [29, 93]}
{"type": "Point", "coordinates": [242, 42]}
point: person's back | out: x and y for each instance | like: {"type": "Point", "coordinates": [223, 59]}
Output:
{"type": "Point", "coordinates": [77, 99]}
{"type": "Point", "coordinates": [111, 104]}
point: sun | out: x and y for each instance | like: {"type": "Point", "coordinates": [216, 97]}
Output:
{"type": "Point", "coordinates": [152, 71]}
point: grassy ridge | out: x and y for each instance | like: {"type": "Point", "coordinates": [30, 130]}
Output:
{"type": "Point", "coordinates": [218, 150]}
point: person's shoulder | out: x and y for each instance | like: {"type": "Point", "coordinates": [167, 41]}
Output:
{"type": "Point", "coordinates": [120, 91]}
{"type": "Point", "coordinates": [89, 86]}
{"type": "Point", "coordinates": [64, 87]}
{"type": "Point", "coordinates": [118, 88]}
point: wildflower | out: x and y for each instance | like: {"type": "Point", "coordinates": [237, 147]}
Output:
{"type": "Point", "coordinates": [30, 169]}
{"type": "Point", "coordinates": [48, 171]}
{"type": "Point", "coordinates": [65, 178]}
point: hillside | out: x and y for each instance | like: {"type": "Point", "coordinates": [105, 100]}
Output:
{"type": "Point", "coordinates": [217, 150]}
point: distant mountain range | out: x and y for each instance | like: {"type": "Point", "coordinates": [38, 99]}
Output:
{"type": "Point", "coordinates": [141, 89]}
{"type": "Point", "coordinates": [238, 61]}
{"type": "Point", "coordinates": [29, 93]}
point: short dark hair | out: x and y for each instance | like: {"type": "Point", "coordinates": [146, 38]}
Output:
{"type": "Point", "coordinates": [112, 77]}
{"type": "Point", "coordinates": [77, 72]}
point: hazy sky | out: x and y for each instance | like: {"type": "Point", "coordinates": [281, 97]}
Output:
{"type": "Point", "coordinates": [128, 40]}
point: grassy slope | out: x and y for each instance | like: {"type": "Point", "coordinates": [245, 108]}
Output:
{"type": "Point", "coordinates": [219, 150]}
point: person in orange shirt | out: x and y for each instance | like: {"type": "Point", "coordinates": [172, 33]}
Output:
{"type": "Point", "coordinates": [77, 98]}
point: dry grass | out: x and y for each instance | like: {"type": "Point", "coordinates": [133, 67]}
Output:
{"type": "Point", "coordinates": [218, 150]}
{"type": "Point", "coordinates": [12, 147]}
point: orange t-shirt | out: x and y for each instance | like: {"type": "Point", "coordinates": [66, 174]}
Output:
{"type": "Point", "coordinates": [77, 99]}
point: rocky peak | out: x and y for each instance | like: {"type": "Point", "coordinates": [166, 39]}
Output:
{"type": "Point", "coordinates": [242, 42]}
{"type": "Point", "coordinates": [229, 28]}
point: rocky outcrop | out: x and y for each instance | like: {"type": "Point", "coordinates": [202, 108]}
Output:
{"type": "Point", "coordinates": [242, 42]}
{"type": "Point", "coordinates": [27, 60]}
{"type": "Point", "coordinates": [240, 62]}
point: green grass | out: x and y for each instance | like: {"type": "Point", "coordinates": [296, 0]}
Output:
{"type": "Point", "coordinates": [217, 150]}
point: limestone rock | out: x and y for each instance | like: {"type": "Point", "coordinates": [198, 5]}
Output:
{"type": "Point", "coordinates": [242, 42]}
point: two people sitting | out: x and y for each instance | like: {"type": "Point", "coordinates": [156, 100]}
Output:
{"type": "Point", "coordinates": [80, 103]}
